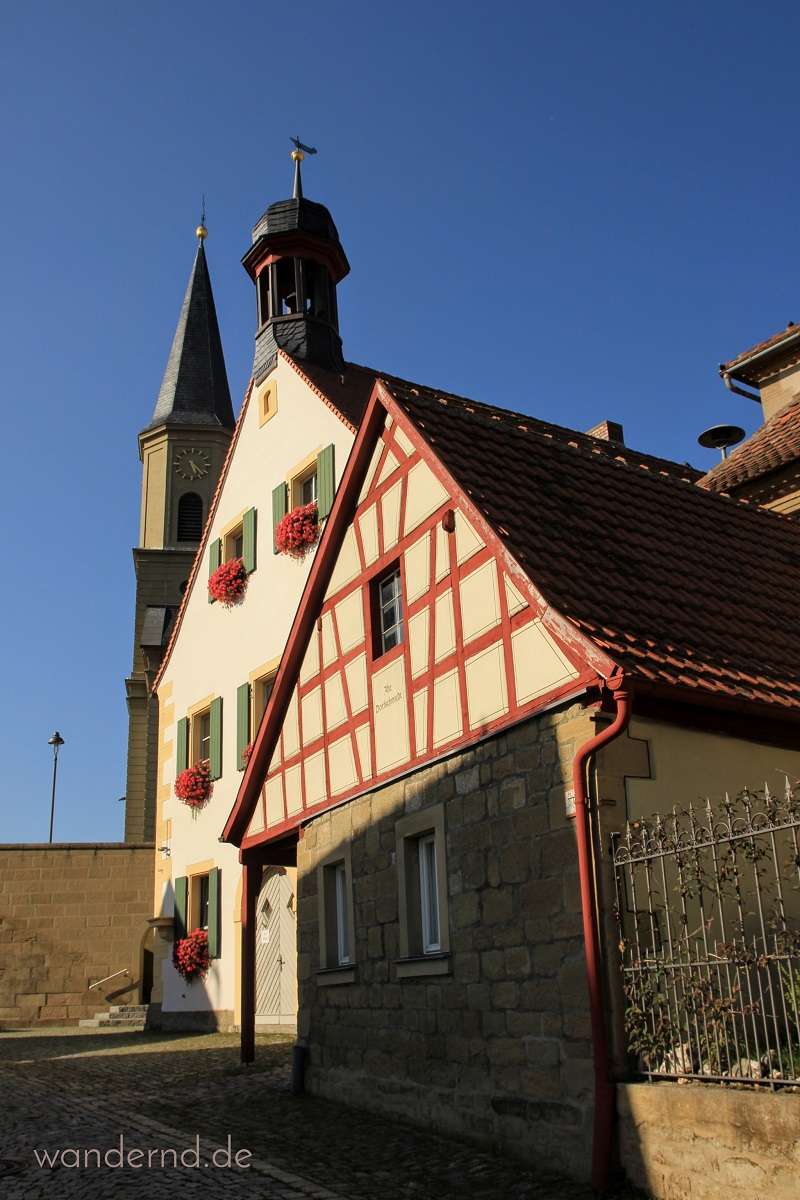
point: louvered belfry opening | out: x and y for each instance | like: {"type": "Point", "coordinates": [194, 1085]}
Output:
{"type": "Point", "coordinates": [190, 517]}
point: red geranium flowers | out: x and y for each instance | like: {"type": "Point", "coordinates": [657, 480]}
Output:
{"type": "Point", "coordinates": [298, 531]}
{"type": "Point", "coordinates": [190, 955]}
{"type": "Point", "coordinates": [228, 583]}
{"type": "Point", "coordinates": [193, 786]}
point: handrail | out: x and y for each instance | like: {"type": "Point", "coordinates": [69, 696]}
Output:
{"type": "Point", "coordinates": [114, 976]}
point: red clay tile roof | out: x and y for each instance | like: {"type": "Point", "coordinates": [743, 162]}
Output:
{"type": "Point", "coordinates": [776, 444]}
{"type": "Point", "coordinates": [681, 586]}
{"type": "Point", "coordinates": [730, 368]}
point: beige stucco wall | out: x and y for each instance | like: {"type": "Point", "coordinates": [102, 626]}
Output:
{"type": "Point", "coordinates": [217, 650]}
{"type": "Point", "coordinates": [702, 1142]}
{"type": "Point", "coordinates": [780, 390]}
{"type": "Point", "coordinates": [71, 915]}
{"type": "Point", "coordinates": [689, 764]}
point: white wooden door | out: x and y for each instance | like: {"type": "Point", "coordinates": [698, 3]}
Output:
{"type": "Point", "coordinates": [276, 952]}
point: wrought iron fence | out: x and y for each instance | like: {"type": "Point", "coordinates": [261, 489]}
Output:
{"type": "Point", "coordinates": [708, 912]}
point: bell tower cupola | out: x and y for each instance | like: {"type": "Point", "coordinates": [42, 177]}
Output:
{"type": "Point", "coordinates": [296, 262]}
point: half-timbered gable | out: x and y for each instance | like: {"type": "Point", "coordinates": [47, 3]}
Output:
{"type": "Point", "coordinates": [429, 636]}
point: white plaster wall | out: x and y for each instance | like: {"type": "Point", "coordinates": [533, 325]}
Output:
{"type": "Point", "coordinates": [218, 648]}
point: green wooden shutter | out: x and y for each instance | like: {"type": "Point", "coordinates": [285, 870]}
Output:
{"type": "Point", "coordinates": [214, 560]}
{"type": "Point", "coordinates": [182, 757]}
{"type": "Point", "coordinates": [181, 905]}
{"type": "Point", "coordinates": [215, 751]}
{"type": "Point", "coordinates": [326, 481]}
{"type": "Point", "coordinates": [280, 506]}
{"type": "Point", "coordinates": [242, 723]}
{"type": "Point", "coordinates": [214, 891]}
{"type": "Point", "coordinates": [249, 540]}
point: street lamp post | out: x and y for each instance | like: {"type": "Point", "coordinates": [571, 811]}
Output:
{"type": "Point", "coordinates": [55, 741]}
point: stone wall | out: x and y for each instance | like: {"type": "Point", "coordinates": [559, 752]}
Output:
{"type": "Point", "coordinates": [69, 916]}
{"type": "Point", "coordinates": [499, 1048]}
{"type": "Point", "coordinates": [700, 1142]}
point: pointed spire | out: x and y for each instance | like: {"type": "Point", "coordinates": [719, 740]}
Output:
{"type": "Point", "coordinates": [194, 390]}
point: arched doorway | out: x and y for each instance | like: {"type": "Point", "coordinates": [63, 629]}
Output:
{"type": "Point", "coordinates": [276, 949]}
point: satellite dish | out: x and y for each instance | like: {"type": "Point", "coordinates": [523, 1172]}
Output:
{"type": "Point", "coordinates": [721, 437]}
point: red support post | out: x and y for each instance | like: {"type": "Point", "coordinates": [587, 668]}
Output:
{"type": "Point", "coordinates": [251, 885]}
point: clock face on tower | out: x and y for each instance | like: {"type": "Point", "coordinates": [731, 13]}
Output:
{"type": "Point", "coordinates": [192, 463]}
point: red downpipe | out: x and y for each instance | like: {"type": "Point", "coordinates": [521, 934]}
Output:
{"type": "Point", "coordinates": [603, 1086]}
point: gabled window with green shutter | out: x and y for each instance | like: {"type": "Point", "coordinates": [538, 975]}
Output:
{"type": "Point", "coordinates": [181, 886]}
{"type": "Point", "coordinates": [215, 747]}
{"type": "Point", "coordinates": [182, 740]}
{"type": "Point", "coordinates": [214, 907]}
{"type": "Point", "coordinates": [280, 507]}
{"type": "Point", "coordinates": [214, 560]}
{"type": "Point", "coordinates": [242, 724]}
{"type": "Point", "coordinates": [326, 481]}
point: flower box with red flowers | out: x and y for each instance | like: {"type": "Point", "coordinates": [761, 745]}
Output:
{"type": "Point", "coordinates": [247, 753]}
{"type": "Point", "coordinates": [193, 786]}
{"type": "Point", "coordinates": [190, 955]}
{"type": "Point", "coordinates": [228, 583]}
{"type": "Point", "coordinates": [298, 531]}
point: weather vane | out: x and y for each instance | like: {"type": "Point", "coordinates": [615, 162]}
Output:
{"type": "Point", "coordinates": [298, 154]}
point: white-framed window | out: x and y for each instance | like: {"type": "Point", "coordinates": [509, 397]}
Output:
{"type": "Point", "coordinates": [337, 959]}
{"type": "Point", "coordinates": [424, 933]}
{"type": "Point", "coordinates": [387, 609]}
{"type": "Point", "coordinates": [342, 922]}
{"type": "Point", "coordinates": [429, 894]}
{"type": "Point", "coordinates": [201, 736]}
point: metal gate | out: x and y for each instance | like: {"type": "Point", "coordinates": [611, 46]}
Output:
{"type": "Point", "coordinates": [276, 952]}
{"type": "Point", "coordinates": [708, 912]}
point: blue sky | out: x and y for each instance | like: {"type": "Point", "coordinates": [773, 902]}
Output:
{"type": "Point", "coordinates": [573, 210]}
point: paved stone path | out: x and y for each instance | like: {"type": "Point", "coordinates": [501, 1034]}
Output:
{"type": "Point", "coordinates": [67, 1089]}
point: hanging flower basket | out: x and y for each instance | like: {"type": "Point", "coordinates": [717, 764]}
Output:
{"type": "Point", "coordinates": [193, 786]}
{"type": "Point", "coordinates": [190, 955]}
{"type": "Point", "coordinates": [298, 531]}
{"type": "Point", "coordinates": [228, 583]}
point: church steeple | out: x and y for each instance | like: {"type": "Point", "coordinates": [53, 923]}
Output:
{"type": "Point", "coordinates": [194, 390]}
{"type": "Point", "coordinates": [296, 261]}
{"type": "Point", "coordinates": [182, 452]}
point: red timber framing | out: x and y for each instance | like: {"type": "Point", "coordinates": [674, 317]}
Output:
{"type": "Point", "coordinates": [308, 758]}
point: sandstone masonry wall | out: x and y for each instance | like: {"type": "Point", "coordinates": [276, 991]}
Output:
{"type": "Point", "coordinates": [498, 1049]}
{"type": "Point", "coordinates": [69, 916]}
{"type": "Point", "coordinates": [700, 1142]}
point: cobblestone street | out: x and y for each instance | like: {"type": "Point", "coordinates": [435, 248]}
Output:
{"type": "Point", "coordinates": [65, 1089]}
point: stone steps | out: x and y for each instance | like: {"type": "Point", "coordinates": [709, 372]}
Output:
{"type": "Point", "coordinates": [118, 1016]}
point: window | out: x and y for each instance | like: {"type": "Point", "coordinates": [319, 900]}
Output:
{"type": "Point", "coordinates": [199, 900]}
{"type": "Point", "coordinates": [342, 931]}
{"type": "Point", "coordinates": [428, 890]}
{"type": "Point", "coordinates": [286, 287]}
{"type": "Point", "coordinates": [316, 290]}
{"type": "Point", "coordinates": [304, 487]}
{"type": "Point", "coordinates": [197, 903]}
{"type": "Point", "coordinates": [234, 543]}
{"type": "Point", "coordinates": [264, 297]}
{"type": "Point", "coordinates": [262, 690]}
{"type": "Point", "coordinates": [201, 736]}
{"type": "Point", "coordinates": [424, 938]}
{"type": "Point", "coordinates": [387, 607]}
{"type": "Point", "coordinates": [335, 899]}
{"type": "Point", "coordinates": [190, 517]}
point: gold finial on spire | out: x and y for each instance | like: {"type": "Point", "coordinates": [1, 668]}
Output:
{"type": "Point", "coordinates": [297, 155]}
{"type": "Point", "coordinates": [201, 233]}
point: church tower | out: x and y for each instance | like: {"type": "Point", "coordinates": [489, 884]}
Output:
{"type": "Point", "coordinates": [296, 261]}
{"type": "Point", "coordinates": [182, 451]}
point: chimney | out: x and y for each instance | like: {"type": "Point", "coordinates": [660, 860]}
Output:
{"type": "Point", "coordinates": [609, 431]}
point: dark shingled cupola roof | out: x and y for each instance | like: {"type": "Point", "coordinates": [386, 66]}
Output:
{"type": "Point", "coordinates": [194, 390]}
